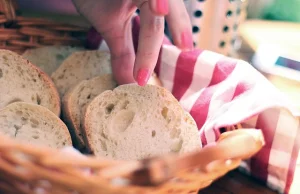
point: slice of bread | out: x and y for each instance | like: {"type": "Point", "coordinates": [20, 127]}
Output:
{"type": "Point", "coordinates": [80, 66]}
{"type": "Point", "coordinates": [76, 100]}
{"type": "Point", "coordinates": [34, 124]}
{"type": "Point", "coordinates": [154, 80]}
{"type": "Point", "coordinates": [49, 58]}
{"type": "Point", "coordinates": [133, 122]}
{"type": "Point", "coordinates": [22, 81]}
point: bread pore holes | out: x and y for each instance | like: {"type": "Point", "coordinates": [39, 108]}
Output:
{"type": "Point", "coordinates": [174, 133]}
{"type": "Point", "coordinates": [17, 127]}
{"type": "Point", "coordinates": [34, 123]}
{"type": "Point", "coordinates": [103, 145]}
{"type": "Point", "coordinates": [164, 113]}
{"type": "Point", "coordinates": [109, 108]}
{"type": "Point", "coordinates": [176, 145]}
{"type": "Point", "coordinates": [24, 120]}
{"type": "Point", "coordinates": [153, 134]}
{"type": "Point", "coordinates": [121, 121]}
{"type": "Point", "coordinates": [61, 76]}
{"type": "Point", "coordinates": [5, 58]}
{"type": "Point", "coordinates": [125, 104]}
{"type": "Point", "coordinates": [103, 135]}
{"type": "Point", "coordinates": [38, 99]}
{"type": "Point", "coordinates": [19, 113]}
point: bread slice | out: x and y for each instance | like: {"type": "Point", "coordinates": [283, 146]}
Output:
{"type": "Point", "coordinates": [76, 100]}
{"type": "Point", "coordinates": [133, 122]}
{"type": "Point", "coordinates": [154, 80]}
{"type": "Point", "coordinates": [49, 58]}
{"type": "Point", "coordinates": [22, 81]}
{"type": "Point", "coordinates": [33, 124]}
{"type": "Point", "coordinates": [80, 66]}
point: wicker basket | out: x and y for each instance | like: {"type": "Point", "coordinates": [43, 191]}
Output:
{"type": "Point", "coordinates": [29, 169]}
{"type": "Point", "coordinates": [19, 33]}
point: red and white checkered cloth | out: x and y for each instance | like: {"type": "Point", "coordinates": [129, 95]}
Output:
{"type": "Point", "coordinates": [219, 91]}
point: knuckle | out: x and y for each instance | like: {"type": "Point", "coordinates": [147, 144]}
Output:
{"type": "Point", "coordinates": [146, 54]}
{"type": "Point", "coordinates": [155, 25]}
{"type": "Point", "coordinates": [141, 3]}
{"type": "Point", "coordinates": [121, 55]}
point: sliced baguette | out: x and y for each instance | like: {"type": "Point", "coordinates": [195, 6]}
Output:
{"type": "Point", "coordinates": [76, 100]}
{"type": "Point", "coordinates": [33, 124]}
{"type": "Point", "coordinates": [49, 58]}
{"type": "Point", "coordinates": [133, 122]}
{"type": "Point", "coordinates": [22, 81]}
{"type": "Point", "coordinates": [154, 80]}
{"type": "Point", "coordinates": [80, 66]}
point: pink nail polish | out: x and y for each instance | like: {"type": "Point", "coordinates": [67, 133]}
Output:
{"type": "Point", "coordinates": [162, 6]}
{"type": "Point", "coordinates": [187, 40]}
{"type": "Point", "coordinates": [143, 76]}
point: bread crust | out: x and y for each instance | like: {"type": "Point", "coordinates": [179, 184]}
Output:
{"type": "Point", "coordinates": [154, 80]}
{"type": "Point", "coordinates": [79, 66]}
{"type": "Point", "coordinates": [49, 58]}
{"type": "Point", "coordinates": [72, 101]}
{"type": "Point", "coordinates": [34, 117]}
{"type": "Point", "coordinates": [68, 119]}
{"type": "Point", "coordinates": [48, 83]}
{"type": "Point", "coordinates": [173, 131]}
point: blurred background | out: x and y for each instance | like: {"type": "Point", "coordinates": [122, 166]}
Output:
{"type": "Point", "coordinates": [265, 33]}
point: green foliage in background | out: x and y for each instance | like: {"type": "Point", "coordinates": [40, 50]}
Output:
{"type": "Point", "coordinates": [286, 10]}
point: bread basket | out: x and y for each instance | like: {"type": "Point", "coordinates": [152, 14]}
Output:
{"type": "Point", "coordinates": [19, 33]}
{"type": "Point", "coordinates": [29, 169]}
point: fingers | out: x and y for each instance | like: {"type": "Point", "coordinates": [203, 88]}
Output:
{"type": "Point", "coordinates": [119, 41]}
{"type": "Point", "coordinates": [180, 25]}
{"type": "Point", "coordinates": [159, 7]}
{"type": "Point", "coordinates": [150, 40]}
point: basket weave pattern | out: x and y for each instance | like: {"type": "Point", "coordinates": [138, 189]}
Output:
{"type": "Point", "coordinates": [27, 169]}
{"type": "Point", "coordinates": [19, 33]}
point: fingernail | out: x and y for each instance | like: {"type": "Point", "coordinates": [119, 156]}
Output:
{"type": "Point", "coordinates": [143, 76]}
{"type": "Point", "coordinates": [187, 40]}
{"type": "Point", "coordinates": [162, 6]}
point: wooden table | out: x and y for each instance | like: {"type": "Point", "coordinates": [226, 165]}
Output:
{"type": "Point", "coordinates": [236, 183]}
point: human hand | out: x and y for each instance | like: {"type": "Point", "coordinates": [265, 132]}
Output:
{"type": "Point", "coordinates": [112, 19]}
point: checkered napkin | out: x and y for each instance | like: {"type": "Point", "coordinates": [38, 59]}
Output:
{"type": "Point", "coordinates": [219, 91]}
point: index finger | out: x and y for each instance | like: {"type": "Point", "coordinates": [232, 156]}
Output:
{"type": "Point", "coordinates": [150, 41]}
{"type": "Point", "coordinates": [159, 7]}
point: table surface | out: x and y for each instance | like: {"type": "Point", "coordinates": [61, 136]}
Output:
{"type": "Point", "coordinates": [236, 183]}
